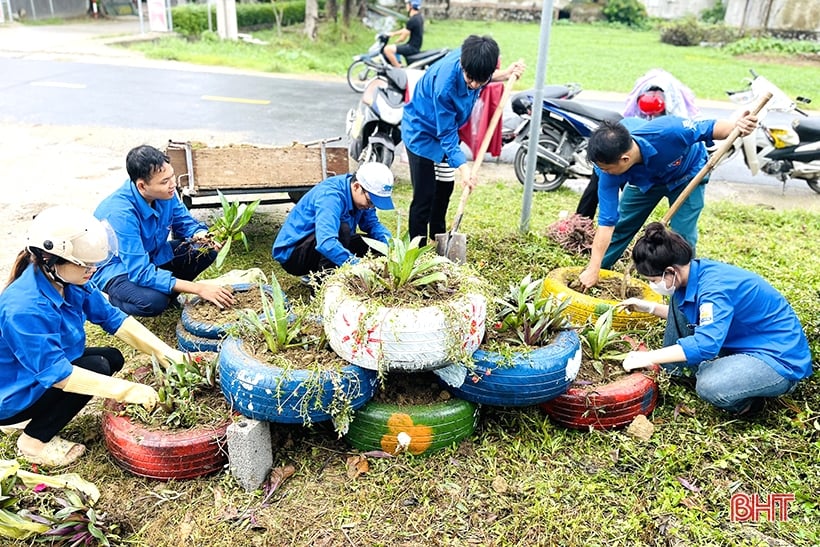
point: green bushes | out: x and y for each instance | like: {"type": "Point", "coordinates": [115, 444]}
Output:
{"type": "Point", "coordinates": [714, 15]}
{"type": "Point", "coordinates": [192, 19]}
{"type": "Point", "coordinates": [628, 12]}
{"type": "Point", "coordinates": [763, 44]}
{"type": "Point", "coordinates": [690, 32]}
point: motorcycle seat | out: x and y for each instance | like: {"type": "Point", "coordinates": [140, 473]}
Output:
{"type": "Point", "coordinates": [590, 112]}
{"type": "Point", "coordinates": [808, 129]}
{"type": "Point", "coordinates": [522, 101]}
{"type": "Point", "coordinates": [427, 55]}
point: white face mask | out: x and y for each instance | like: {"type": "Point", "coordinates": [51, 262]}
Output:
{"type": "Point", "coordinates": [661, 288]}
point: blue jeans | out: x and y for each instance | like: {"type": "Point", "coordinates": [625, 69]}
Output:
{"type": "Point", "coordinates": [635, 207]}
{"type": "Point", "coordinates": [730, 382]}
{"type": "Point", "coordinates": [188, 262]}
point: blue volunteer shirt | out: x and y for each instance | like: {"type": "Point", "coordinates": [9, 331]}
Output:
{"type": "Point", "coordinates": [737, 311]}
{"type": "Point", "coordinates": [672, 153]}
{"type": "Point", "coordinates": [322, 211]}
{"type": "Point", "coordinates": [142, 233]}
{"type": "Point", "coordinates": [441, 104]}
{"type": "Point", "coordinates": [41, 333]}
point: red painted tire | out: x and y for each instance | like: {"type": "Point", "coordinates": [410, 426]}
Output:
{"type": "Point", "coordinates": [163, 454]}
{"type": "Point", "coordinates": [612, 405]}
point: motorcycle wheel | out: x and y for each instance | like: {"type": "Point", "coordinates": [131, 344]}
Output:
{"type": "Point", "coordinates": [550, 178]}
{"type": "Point", "coordinates": [378, 154]}
{"type": "Point", "coordinates": [359, 74]}
{"type": "Point", "coordinates": [814, 184]}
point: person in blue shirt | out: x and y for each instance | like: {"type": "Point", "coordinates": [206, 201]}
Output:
{"type": "Point", "coordinates": [442, 102]}
{"type": "Point", "coordinates": [47, 375]}
{"type": "Point", "coordinates": [321, 231]}
{"type": "Point", "coordinates": [741, 337]}
{"type": "Point", "coordinates": [650, 160]}
{"type": "Point", "coordinates": [150, 268]}
{"type": "Point", "coordinates": [411, 35]}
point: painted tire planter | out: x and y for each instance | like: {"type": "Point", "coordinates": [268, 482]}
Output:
{"type": "Point", "coordinates": [264, 392]}
{"type": "Point", "coordinates": [608, 406]}
{"type": "Point", "coordinates": [214, 331]}
{"type": "Point", "coordinates": [408, 339]}
{"type": "Point", "coordinates": [582, 306]}
{"type": "Point", "coordinates": [424, 428]}
{"type": "Point", "coordinates": [190, 342]}
{"type": "Point", "coordinates": [540, 375]}
{"type": "Point", "coordinates": [164, 454]}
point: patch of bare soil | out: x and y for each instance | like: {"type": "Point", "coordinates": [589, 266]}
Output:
{"type": "Point", "coordinates": [796, 60]}
{"type": "Point", "coordinates": [590, 377]}
{"type": "Point", "coordinates": [608, 289]}
{"type": "Point", "coordinates": [211, 314]}
{"type": "Point", "coordinates": [312, 353]}
{"type": "Point", "coordinates": [411, 388]}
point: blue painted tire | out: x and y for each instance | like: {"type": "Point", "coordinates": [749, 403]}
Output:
{"type": "Point", "coordinates": [266, 392]}
{"type": "Point", "coordinates": [532, 378]}
{"type": "Point", "coordinates": [190, 342]}
{"type": "Point", "coordinates": [213, 331]}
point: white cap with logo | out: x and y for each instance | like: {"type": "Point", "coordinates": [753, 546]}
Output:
{"type": "Point", "coordinates": [377, 179]}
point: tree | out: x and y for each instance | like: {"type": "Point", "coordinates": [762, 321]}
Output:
{"type": "Point", "coordinates": [311, 18]}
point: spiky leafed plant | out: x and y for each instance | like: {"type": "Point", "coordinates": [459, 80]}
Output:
{"type": "Point", "coordinates": [229, 227]}
{"type": "Point", "coordinates": [527, 317]}
{"type": "Point", "coordinates": [601, 342]}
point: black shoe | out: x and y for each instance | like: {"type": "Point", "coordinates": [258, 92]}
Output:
{"type": "Point", "coordinates": [754, 408]}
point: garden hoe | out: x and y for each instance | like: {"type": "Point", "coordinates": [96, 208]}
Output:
{"type": "Point", "coordinates": [713, 161]}
{"type": "Point", "coordinates": [454, 245]}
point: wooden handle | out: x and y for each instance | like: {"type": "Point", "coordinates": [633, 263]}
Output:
{"type": "Point", "coordinates": [713, 160]}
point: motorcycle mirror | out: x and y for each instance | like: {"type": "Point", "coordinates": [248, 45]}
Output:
{"type": "Point", "coordinates": [803, 100]}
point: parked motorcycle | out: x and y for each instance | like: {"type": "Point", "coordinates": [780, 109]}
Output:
{"type": "Point", "coordinates": [562, 142]}
{"type": "Point", "coordinates": [374, 126]}
{"type": "Point", "coordinates": [782, 151]}
{"type": "Point", "coordinates": [365, 66]}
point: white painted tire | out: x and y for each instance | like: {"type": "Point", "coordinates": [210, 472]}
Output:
{"type": "Point", "coordinates": [408, 339]}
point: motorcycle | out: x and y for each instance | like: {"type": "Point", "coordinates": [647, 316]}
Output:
{"type": "Point", "coordinates": [562, 142]}
{"type": "Point", "coordinates": [365, 67]}
{"type": "Point", "coordinates": [782, 151]}
{"type": "Point", "coordinates": [374, 126]}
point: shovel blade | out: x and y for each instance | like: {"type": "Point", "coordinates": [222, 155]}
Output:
{"type": "Point", "coordinates": [453, 246]}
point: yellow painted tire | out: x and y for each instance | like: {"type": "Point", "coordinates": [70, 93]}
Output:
{"type": "Point", "coordinates": [582, 307]}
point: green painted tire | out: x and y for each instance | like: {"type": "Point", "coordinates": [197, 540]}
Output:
{"type": "Point", "coordinates": [582, 306]}
{"type": "Point", "coordinates": [379, 426]}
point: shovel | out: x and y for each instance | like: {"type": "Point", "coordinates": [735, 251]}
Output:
{"type": "Point", "coordinates": [713, 161]}
{"type": "Point", "coordinates": [454, 245]}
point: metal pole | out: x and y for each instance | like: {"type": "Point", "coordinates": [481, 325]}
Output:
{"type": "Point", "coordinates": [535, 121]}
{"type": "Point", "coordinates": [139, 12]}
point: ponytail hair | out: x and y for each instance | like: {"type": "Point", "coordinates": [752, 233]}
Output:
{"type": "Point", "coordinates": [24, 258]}
{"type": "Point", "coordinates": [658, 249]}
{"type": "Point", "coordinates": [33, 255]}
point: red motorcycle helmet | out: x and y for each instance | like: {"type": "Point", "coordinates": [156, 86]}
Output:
{"type": "Point", "coordinates": [652, 103]}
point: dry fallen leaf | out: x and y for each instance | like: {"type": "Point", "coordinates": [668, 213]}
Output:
{"type": "Point", "coordinates": [278, 476]}
{"type": "Point", "coordinates": [357, 465]}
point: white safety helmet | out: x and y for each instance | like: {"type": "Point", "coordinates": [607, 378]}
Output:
{"type": "Point", "coordinates": [72, 234]}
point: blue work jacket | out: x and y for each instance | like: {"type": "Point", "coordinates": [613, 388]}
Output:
{"type": "Point", "coordinates": [41, 333]}
{"type": "Point", "coordinates": [441, 104]}
{"type": "Point", "coordinates": [672, 153]}
{"type": "Point", "coordinates": [736, 311]}
{"type": "Point", "coordinates": [142, 233]}
{"type": "Point", "coordinates": [322, 211]}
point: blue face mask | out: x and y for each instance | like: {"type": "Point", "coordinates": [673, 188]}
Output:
{"type": "Point", "coordinates": [661, 288]}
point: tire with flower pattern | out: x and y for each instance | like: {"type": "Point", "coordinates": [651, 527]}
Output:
{"type": "Point", "coordinates": [533, 377]}
{"type": "Point", "coordinates": [164, 454]}
{"type": "Point", "coordinates": [266, 392]}
{"type": "Point", "coordinates": [417, 429]}
{"type": "Point", "coordinates": [606, 406]}
{"type": "Point", "coordinates": [584, 307]}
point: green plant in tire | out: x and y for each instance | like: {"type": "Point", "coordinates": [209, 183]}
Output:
{"type": "Point", "coordinates": [526, 317]}
{"type": "Point", "coordinates": [229, 227]}
{"type": "Point", "coordinates": [277, 328]}
{"type": "Point", "coordinates": [406, 263]}
{"type": "Point", "coordinates": [601, 342]}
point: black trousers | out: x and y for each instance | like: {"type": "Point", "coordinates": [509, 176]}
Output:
{"type": "Point", "coordinates": [52, 412]}
{"type": "Point", "coordinates": [588, 203]}
{"type": "Point", "coordinates": [431, 197]}
{"type": "Point", "coordinates": [306, 259]}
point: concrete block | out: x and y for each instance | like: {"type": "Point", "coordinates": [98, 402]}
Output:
{"type": "Point", "coordinates": [250, 454]}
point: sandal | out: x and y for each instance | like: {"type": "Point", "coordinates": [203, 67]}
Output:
{"type": "Point", "coordinates": [56, 453]}
{"type": "Point", "coordinates": [10, 429]}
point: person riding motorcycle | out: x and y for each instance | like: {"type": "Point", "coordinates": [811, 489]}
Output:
{"type": "Point", "coordinates": [411, 36]}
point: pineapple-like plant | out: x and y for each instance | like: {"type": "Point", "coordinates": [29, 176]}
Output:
{"type": "Point", "coordinates": [527, 317]}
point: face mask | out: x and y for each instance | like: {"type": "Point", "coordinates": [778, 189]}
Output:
{"type": "Point", "coordinates": [661, 288]}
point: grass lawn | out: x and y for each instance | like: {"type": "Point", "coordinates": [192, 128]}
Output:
{"type": "Point", "coordinates": [519, 480]}
{"type": "Point", "coordinates": [599, 57]}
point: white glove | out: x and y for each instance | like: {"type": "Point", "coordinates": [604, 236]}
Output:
{"type": "Point", "coordinates": [638, 305]}
{"type": "Point", "coordinates": [637, 359]}
{"type": "Point", "coordinates": [87, 382]}
{"type": "Point", "coordinates": [134, 333]}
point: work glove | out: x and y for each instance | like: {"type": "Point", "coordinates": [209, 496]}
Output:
{"type": "Point", "coordinates": [638, 305]}
{"type": "Point", "coordinates": [86, 382]}
{"type": "Point", "coordinates": [636, 359]}
{"type": "Point", "coordinates": [134, 333]}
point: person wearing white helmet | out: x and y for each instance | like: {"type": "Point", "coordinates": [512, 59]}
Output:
{"type": "Point", "coordinates": [321, 232]}
{"type": "Point", "coordinates": [410, 37]}
{"type": "Point", "coordinates": [151, 266]}
{"type": "Point", "coordinates": [47, 375]}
